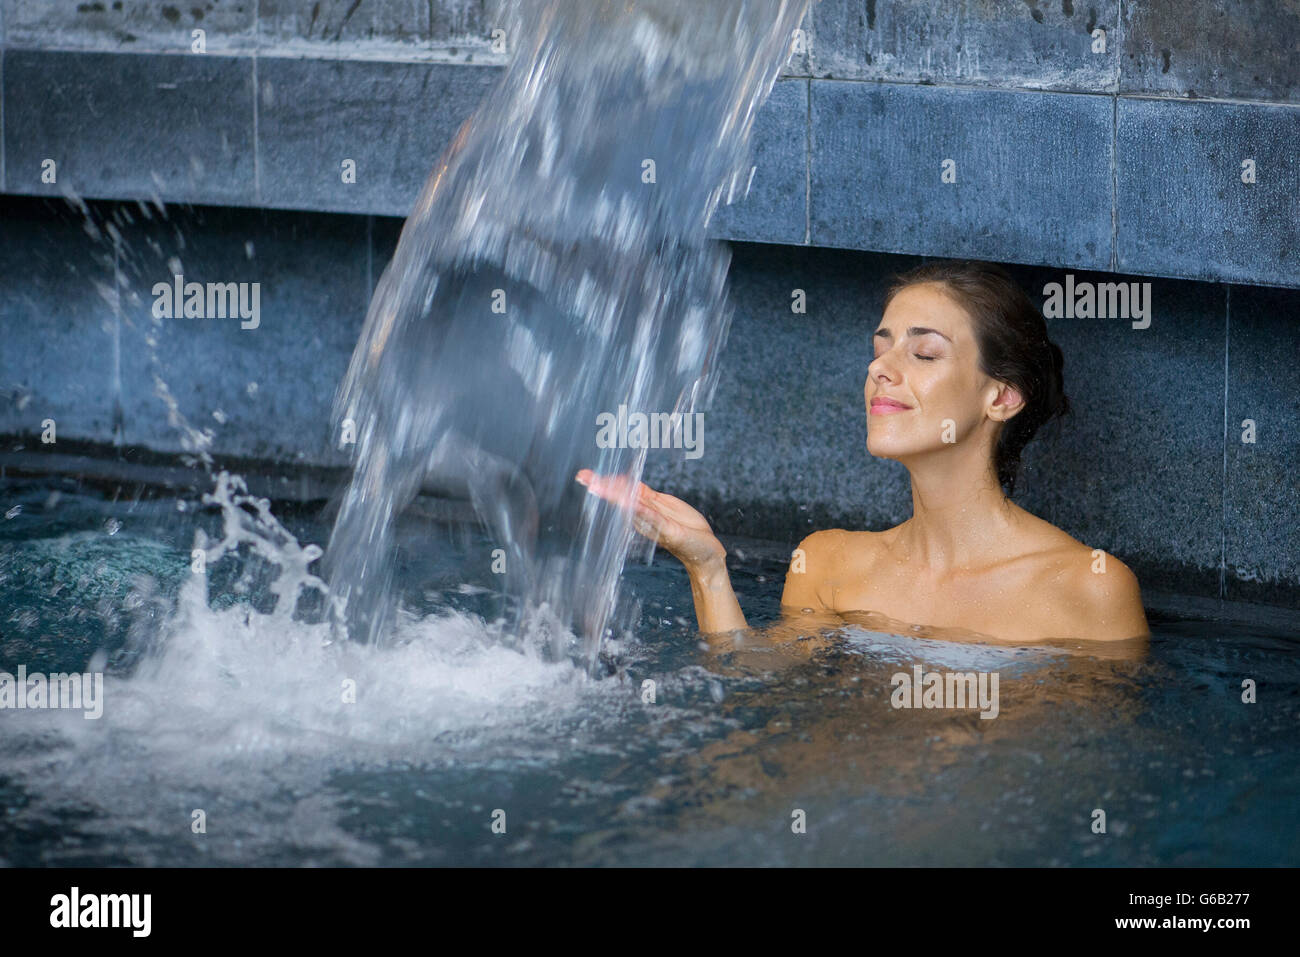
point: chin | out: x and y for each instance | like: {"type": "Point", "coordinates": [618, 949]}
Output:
{"type": "Point", "coordinates": [885, 442]}
{"type": "Point", "coordinates": [881, 448]}
{"type": "Point", "coordinates": [884, 446]}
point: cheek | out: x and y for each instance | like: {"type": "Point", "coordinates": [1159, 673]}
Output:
{"type": "Point", "coordinates": [942, 384]}
{"type": "Point", "coordinates": [943, 396]}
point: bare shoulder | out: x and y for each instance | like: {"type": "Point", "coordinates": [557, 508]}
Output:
{"type": "Point", "coordinates": [1086, 592]}
{"type": "Point", "coordinates": [817, 567]}
{"type": "Point", "coordinates": [821, 541]}
{"type": "Point", "coordinates": [823, 563]}
{"type": "Point", "coordinates": [814, 554]}
{"type": "Point", "coordinates": [1098, 596]}
{"type": "Point", "coordinates": [838, 548]}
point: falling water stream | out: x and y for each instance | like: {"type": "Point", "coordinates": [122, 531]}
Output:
{"type": "Point", "coordinates": [555, 267]}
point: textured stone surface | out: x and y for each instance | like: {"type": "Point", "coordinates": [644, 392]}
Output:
{"type": "Point", "coordinates": [776, 209]}
{"type": "Point", "coordinates": [1262, 508]}
{"type": "Point", "coordinates": [1182, 207]}
{"type": "Point", "coordinates": [57, 328]}
{"type": "Point", "coordinates": [3, 188]}
{"type": "Point", "coordinates": [1213, 48]}
{"type": "Point", "coordinates": [1033, 178]}
{"type": "Point", "coordinates": [303, 138]}
{"type": "Point", "coordinates": [129, 24]}
{"type": "Point", "coordinates": [67, 352]}
{"type": "Point", "coordinates": [1138, 469]}
{"type": "Point", "coordinates": [1034, 184]}
{"type": "Point", "coordinates": [274, 385]}
{"type": "Point", "coordinates": [1014, 43]}
{"type": "Point", "coordinates": [452, 30]}
{"type": "Point", "coordinates": [130, 125]}
{"type": "Point", "coordinates": [340, 23]}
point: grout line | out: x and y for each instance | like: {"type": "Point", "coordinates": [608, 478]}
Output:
{"type": "Point", "coordinates": [1114, 184]}
{"type": "Point", "coordinates": [257, 142]}
{"type": "Point", "coordinates": [1223, 489]}
{"type": "Point", "coordinates": [1118, 51]}
{"type": "Point", "coordinates": [807, 168]}
{"type": "Point", "coordinates": [3, 174]}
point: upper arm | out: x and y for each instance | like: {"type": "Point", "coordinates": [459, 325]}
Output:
{"type": "Point", "coordinates": [806, 577]}
{"type": "Point", "coordinates": [1107, 605]}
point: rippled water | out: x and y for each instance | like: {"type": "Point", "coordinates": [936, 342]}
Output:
{"type": "Point", "coordinates": [243, 717]}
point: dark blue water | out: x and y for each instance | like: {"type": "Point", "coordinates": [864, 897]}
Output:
{"type": "Point", "coordinates": [214, 705]}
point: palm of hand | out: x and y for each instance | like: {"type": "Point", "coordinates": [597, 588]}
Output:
{"type": "Point", "coordinates": [660, 517]}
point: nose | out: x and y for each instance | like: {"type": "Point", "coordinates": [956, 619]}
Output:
{"type": "Point", "coordinates": [881, 369]}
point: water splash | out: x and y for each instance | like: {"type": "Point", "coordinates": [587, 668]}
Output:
{"type": "Point", "coordinates": [555, 267]}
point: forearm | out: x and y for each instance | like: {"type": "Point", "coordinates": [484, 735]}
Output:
{"type": "Point", "coordinates": [716, 607]}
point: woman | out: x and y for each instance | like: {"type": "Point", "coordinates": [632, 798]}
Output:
{"type": "Point", "coordinates": [963, 376]}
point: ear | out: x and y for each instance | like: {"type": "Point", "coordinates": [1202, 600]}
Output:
{"type": "Point", "coordinates": [1007, 403]}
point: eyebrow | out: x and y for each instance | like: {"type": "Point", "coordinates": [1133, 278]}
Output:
{"type": "Point", "coordinates": [912, 331]}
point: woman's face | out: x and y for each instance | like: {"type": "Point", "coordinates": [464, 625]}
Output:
{"type": "Point", "coordinates": [926, 359]}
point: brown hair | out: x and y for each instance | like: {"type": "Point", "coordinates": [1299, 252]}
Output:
{"type": "Point", "coordinates": [1013, 348]}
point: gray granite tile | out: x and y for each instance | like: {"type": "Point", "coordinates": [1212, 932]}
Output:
{"type": "Point", "coordinates": [1182, 207]}
{"type": "Point", "coordinates": [1213, 48]}
{"type": "Point", "coordinates": [1033, 178]}
{"type": "Point", "coordinates": [1008, 43]}
{"type": "Point", "coordinates": [274, 384]}
{"type": "Point", "coordinates": [775, 211]}
{"type": "Point", "coordinates": [57, 325]}
{"type": "Point", "coordinates": [130, 125]}
{"type": "Point", "coordinates": [456, 28]}
{"type": "Point", "coordinates": [393, 119]}
{"type": "Point", "coordinates": [1136, 468]}
{"type": "Point", "coordinates": [129, 24]}
{"type": "Point", "coordinates": [1262, 508]}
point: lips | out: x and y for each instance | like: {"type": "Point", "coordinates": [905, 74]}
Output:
{"type": "Point", "coordinates": [881, 405]}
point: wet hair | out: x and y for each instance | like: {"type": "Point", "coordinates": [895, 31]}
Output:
{"type": "Point", "coordinates": [1013, 348]}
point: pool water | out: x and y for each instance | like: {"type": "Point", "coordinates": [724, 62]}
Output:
{"type": "Point", "coordinates": [461, 745]}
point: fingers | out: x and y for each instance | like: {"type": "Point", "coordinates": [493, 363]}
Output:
{"type": "Point", "coordinates": [615, 488]}
{"type": "Point", "coordinates": [636, 499]}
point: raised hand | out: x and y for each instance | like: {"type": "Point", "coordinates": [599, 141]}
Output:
{"type": "Point", "coordinates": [662, 518]}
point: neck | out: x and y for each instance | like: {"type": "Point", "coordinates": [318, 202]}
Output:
{"type": "Point", "coordinates": [960, 516]}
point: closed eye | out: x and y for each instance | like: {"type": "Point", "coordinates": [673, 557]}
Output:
{"type": "Point", "coordinates": [926, 358]}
